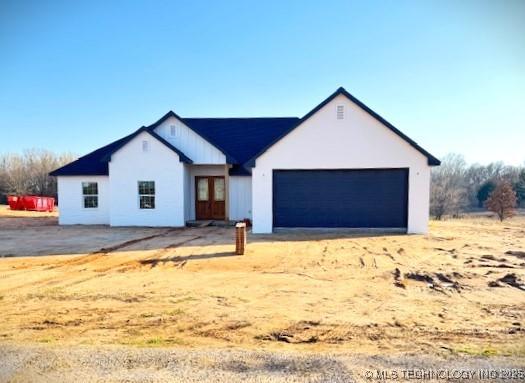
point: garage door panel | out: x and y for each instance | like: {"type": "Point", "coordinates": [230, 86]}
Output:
{"type": "Point", "coordinates": [340, 198]}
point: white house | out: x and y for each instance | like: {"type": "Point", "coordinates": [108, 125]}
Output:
{"type": "Point", "coordinates": [341, 165]}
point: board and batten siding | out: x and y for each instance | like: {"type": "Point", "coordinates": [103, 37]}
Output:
{"type": "Point", "coordinates": [131, 164]}
{"type": "Point", "coordinates": [240, 197]}
{"type": "Point", "coordinates": [71, 202]}
{"type": "Point", "coordinates": [190, 143]}
{"type": "Point", "coordinates": [358, 141]}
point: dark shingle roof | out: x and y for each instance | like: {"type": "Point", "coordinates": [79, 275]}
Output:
{"type": "Point", "coordinates": [92, 164]}
{"type": "Point", "coordinates": [238, 138]}
{"type": "Point", "coordinates": [241, 140]}
{"type": "Point", "coordinates": [96, 162]}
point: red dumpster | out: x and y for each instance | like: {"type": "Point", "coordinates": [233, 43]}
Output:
{"type": "Point", "coordinates": [31, 202]}
{"type": "Point", "coordinates": [14, 202]}
{"type": "Point", "coordinates": [28, 202]}
{"type": "Point", "coordinates": [45, 204]}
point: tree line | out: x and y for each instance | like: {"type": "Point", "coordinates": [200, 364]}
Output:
{"type": "Point", "coordinates": [457, 187]}
{"type": "Point", "coordinates": [28, 172]}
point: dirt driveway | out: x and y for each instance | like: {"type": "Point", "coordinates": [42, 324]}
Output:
{"type": "Point", "coordinates": [456, 291]}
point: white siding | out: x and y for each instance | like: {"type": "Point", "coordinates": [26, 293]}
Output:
{"type": "Point", "coordinates": [190, 143]}
{"type": "Point", "coordinates": [357, 141]}
{"type": "Point", "coordinates": [71, 203]}
{"type": "Point", "coordinates": [240, 198]}
{"type": "Point", "coordinates": [131, 164]}
{"type": "Point", "coordinates": [187, 193]}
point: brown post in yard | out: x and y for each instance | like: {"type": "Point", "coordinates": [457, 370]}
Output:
{"type": "Point", "coordinates": [240, 238]}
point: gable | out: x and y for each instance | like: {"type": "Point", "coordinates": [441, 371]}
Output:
{"type": "Point", "coordinates": [431, 160]}
{"type": "Point", "coordinates": [156, 146]}
{"type": "Point", "coordinates": [200, 150]}
{"type": "Point", "coordinates": [96, 162]}
{"type": "Point", "coordinates": [237, 138]}
{"type": "Point", "coordinates": [324, 141]}
{"type": "Point", "coordinates": [133, 154]}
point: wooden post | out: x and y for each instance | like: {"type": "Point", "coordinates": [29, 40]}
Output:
{"type": "Point", "coordinates": [240, 238]}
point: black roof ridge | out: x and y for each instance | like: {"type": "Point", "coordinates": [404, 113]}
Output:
{"type": "Point", "coordinates": [101, 149]}
{"type": "Point", "coordinates": [95, 162]}
{"type": "Point", "coordinates": [183, 157]}
{"type": "Point", "coordinates": [432, 161]}
{"type": "Point", "coordinates": [105, 146]}
{"type": "Point", "coordinates": [229, 158]}
{"type": "Point", "coordinates": [120, 143]}
{"type": "Point", "coordinates": [239, 118]}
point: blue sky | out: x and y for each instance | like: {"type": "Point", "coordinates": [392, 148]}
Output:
{"type": "Point", "coordinates": [76, 75]}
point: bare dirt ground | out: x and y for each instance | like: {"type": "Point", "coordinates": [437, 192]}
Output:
{"type": "Point", "coordinates": [457, 292]}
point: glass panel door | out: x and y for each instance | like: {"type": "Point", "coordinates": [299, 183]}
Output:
{"type": "Point", "coordinates": [218, 189]}
{"type": "Point", "coordinates": [203, 193]}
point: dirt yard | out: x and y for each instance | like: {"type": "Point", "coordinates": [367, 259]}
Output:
{"type": "Point", "coordinates": [458, 291]}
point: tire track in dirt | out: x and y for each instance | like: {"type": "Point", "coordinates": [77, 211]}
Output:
{"type": "Point", "coordinates": [161, 254]}
{"type": "Point", "coordinates": [50, 281]}
{"type": "Point", "coordinates": [132, 264]}
{"type": "Point", "coordinates": [83, 259]}
{"type": "Point", "coordinates": [106, 250]}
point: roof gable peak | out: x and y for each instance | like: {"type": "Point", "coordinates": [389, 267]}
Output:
{"type": "Point", "coordinates": [432, 161]}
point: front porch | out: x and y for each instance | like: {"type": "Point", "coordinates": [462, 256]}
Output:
{"type": "Point", "coordinates": [207, 194]}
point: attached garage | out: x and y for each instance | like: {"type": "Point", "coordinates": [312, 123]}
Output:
{"type": "Point", "coordinates": [342, 165]}
{"type": "Point", "coordinates": [354, 198]}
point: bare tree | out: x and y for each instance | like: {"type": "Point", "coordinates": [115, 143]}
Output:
{"type": "Point", "coordinates": [14, 174]}
{"type": "Point", "coordinates": [502, 201]}
{"type": "Point", "coordinates": [448, 189]}
{"type": "Point", "coordinates": [28, 173]}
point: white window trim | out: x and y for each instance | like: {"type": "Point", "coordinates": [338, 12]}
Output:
{"type": "Point", "coordinates": [82, 195]}
{"type": "Point", "coordinates": [146, 195]}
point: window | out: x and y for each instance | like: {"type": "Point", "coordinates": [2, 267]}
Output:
{"type": "Point", "coordinates": [173, 130]}
{"type": "Point", "coordinates": [218, 189]}
{"type": "Point", "coordinates": [147, 194]}
{"type": "Point", "coordinates": [90, 195]}
{"type": "Point", "coordinates": [145, 146]}
{"type": "Point", "coordinates": [340, 112]}
{"type": "Point", "coordinates": [202, 189]}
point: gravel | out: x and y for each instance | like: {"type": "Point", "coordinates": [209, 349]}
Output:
{"type": "Point", "coordinates": [120, 364]}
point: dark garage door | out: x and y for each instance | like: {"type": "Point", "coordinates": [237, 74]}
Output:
{"type": "Point", "coordinates": [375, 198]}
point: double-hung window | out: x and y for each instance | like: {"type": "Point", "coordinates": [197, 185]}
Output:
{"type": "Point", "coordinates": [90, 195]}
{"type": "Point", "coordinates": [147, 194]}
